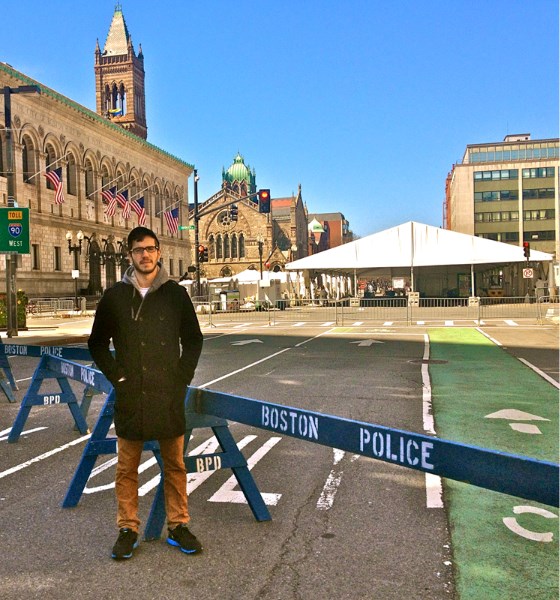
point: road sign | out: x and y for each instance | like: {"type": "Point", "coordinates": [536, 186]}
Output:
{"type": "Point", "coordinates": [182, 227]}
{"type": "Point", "coordinates": [14, 230]}
{"type": "Point", "coordinates": [527, 273]}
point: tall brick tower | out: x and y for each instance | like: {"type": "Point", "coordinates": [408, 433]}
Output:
{"type": "Point", "coordinates": [119, 79]}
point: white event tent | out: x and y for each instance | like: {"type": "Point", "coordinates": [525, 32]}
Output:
{"type": "Point", "coordinates": [414, 245]}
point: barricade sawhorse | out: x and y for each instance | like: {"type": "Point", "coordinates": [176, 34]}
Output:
{"type": "Point", "coordinates": [63, 395]}
{"type": "Point", "coordinates": [6, 370]}
{"type": "Point", "coordinates": [519, 476]}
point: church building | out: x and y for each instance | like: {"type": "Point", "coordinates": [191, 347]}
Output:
{"type": "Point", "coordinates": [246, 238]}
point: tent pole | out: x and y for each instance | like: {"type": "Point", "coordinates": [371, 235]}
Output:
{"type": "Point", "coordinates": [411, 278]}
{"type": "Point", "coordinates": [355, 285]}
{"type": "Point", "coordinates": [472, 281]}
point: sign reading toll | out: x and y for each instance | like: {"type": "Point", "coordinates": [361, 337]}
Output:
{"type": "Point", "coordinates": [14, 230]}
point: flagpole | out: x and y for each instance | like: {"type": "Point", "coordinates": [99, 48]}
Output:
{"type": "Point", "coordinates": [99, 189]}
{"type": "Point", "coordinates": [45, 169]}
{"type": "Point", "coordinates": [141, 191]}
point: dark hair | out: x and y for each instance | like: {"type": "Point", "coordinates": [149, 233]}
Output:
{"type": "Point", "coordinates": [139, 233]}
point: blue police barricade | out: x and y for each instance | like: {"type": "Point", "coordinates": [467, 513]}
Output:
{"type": "Point", "coordinates": [6, 374]}
{"type": "Point", "coordinates": [516, 475]}
{"type": "Point", "coordinates": [63, 395]}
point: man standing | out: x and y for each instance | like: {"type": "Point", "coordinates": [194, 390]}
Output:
{"type": "Point", "coordinates": [157, 341]}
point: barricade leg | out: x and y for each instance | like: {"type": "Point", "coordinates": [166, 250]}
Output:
{"type": "Point", "coordinates": [6, 389]}
{"type": "Point", "coordinates": [33, 398]}
{"type": "Point", "coordinates": [5, 366]}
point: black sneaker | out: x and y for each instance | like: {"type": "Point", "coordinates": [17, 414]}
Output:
{"type": "Point", "coordinates": [125, 544]}
{"type": "Point", "coordinates": [183, 539]}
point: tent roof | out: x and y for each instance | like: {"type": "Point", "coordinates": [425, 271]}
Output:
{"type": "Point", "coordinates": [417, 245]}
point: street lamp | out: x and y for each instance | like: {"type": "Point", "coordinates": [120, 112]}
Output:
{"type": "Point", "coordinates": [294, 250]}
{"type": "Point", "coordinates": [11, 259]}
{"type": "Point", "coordinates": [260, 242]}
{"type": "Point", "coordinates": [76, 250]}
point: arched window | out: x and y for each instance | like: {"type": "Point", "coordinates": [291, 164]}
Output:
{"type": "Point", "coordinates": [236, 187]}
{"type": "Point", "coordinates": [219, 248]}
{"type": "Point", "coordinates": [241, 246]}
{"type": "Point", "coordinates": [28, 162]}
{"type": "Point", "coordinates": [234, 246]}
{"type": "Point", "coordinates": [89, 180]}
{"type": "Point", "coordinates": [107, 98]}
{"type": "Point", "coordinates": [122, 98]}
{"type": "Point", "coordinates": [71, 176]}
{"type": "Point", "coordinates": [2, 151]}
{"type": "Point", "coordinates": [211, 248]}
{"type": "Point", "coordinates": [50, 159]}
{"type": "Point", "coordinates": [226, 246]}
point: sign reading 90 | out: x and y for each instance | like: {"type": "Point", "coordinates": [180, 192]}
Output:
{"type": "Point", "coordinates": [15, 229]}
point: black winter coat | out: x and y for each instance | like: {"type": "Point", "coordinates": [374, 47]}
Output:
{"type": "Point", "coordinates": [157, 346]}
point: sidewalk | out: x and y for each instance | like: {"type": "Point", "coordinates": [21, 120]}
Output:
{"type": "Point", "coordinates": [54, 330]}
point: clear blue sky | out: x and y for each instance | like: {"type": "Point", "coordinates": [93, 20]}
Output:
{"type": "Point", "coordinates": [366, 103]}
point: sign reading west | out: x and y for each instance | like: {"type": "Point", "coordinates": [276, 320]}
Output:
{"type": "Point", "coordinates": [14, 230]}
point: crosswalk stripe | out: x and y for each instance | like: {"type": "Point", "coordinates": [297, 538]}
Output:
{"type": "Point", "coordinates": [327, 324]}
{"type": "Point", "coordinates": [357, 323]}
{"type": "Point", "coordinates": [511, 323]}
{"type": "Point", "coordinates": [387, 323]}
{"type": "Point", "coordinates": [449, 323]}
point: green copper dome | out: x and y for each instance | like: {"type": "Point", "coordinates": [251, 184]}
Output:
{"type": "Point", "coordinates": [239, 172]}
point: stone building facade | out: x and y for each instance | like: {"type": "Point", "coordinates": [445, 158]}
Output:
{"type": "Point", "coordinates": [95, 152]}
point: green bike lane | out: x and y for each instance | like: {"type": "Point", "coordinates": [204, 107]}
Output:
{"type": "Point", "coordinates": [503, 546]}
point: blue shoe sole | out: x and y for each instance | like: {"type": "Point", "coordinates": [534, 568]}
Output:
{"type": "Point", "coordinates": [172, 542]}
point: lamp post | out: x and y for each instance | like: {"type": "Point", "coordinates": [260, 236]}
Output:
{"type": "Point", "coordinates": [76, 250]}
{"type": "Point", "coordinates": [294, 251]}
{"type": "Point", "coordinates": [11, 259]}
{"type": "Point", "coordinates": [196, 219]}
{"type": "Point", "coordinates": [260, 242]}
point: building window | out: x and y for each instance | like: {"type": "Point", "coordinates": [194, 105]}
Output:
{"type": "Point", "coordinates": [234, 246]}
{"type": "Point", "coordinates": [241, 246]}
{"type": "Point", "coordinates": [181, 269]}
{"type": "Point", "coordinates": [496, 175]}
{"type": "Point", "coordinates": [538, 236]}
{"type": "Point", "coordinates": [35, 257]}
{"type": "Point", "coordinates": [538, 215]}
{"type": "Point", "coordinates": [496, 195]}
{"type": "Point", "coordinates": [538, 193]}
{"type": "Point", "coordinates": [219, 247]}
{"type": "Point", "coordinates": [57, 258]}
{"type": "Point", "coordinates": [171, 267]}
{"type": "Point", "coordinates": [539, 172]}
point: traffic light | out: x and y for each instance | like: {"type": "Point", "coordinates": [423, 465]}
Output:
{"type": "Point", "coordinates": [526, 250]}
{"type": "Point", "coordinates": [264, 201]}
{"type": "Point", "coordinates": [233, 212]}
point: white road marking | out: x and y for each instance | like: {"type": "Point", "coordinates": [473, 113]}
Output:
{"type": "Point", "coordinates": [387, 323]}
{"type": "Point", "coordinates": [525, 428]}
{"type": "Point", "coordinates": [420, 322]}
{"type": "Point", "coordinates": [511, 323]}
{"type": "Point", "coordinates": [357, 323]}
{"type": "Point", "coordinates": [327, 324]}
{"type": "Point", "coordinates": [541, 373]}
{"type": "Point", "coordinates": [434, 490]}
{"type": "Point", "coordinates": [227, 493]}
{"type": "Point", "coordinates": [299, 324]}
{"type": "Point", "coordinates": [326, 499]}
{"type": "Point", "coordinates": [26, 432]}
{"type": "Point", "coordinates": [488, 336]}
{"type": "Point", "coordinates": [43, 456]}
{"type": "Point", "coordinates": [512, 524]}
{"type": "Point", "coordinates": [449, 323]}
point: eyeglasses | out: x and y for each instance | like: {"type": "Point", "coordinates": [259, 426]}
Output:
{"type": "Point", "coordinates": [148, 249]}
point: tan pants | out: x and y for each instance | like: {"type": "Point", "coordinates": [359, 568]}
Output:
{"type": "Point", "coordinates": [174, 485]}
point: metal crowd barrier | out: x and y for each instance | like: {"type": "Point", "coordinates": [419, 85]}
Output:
{"type": "Point", "coordinates": [347, 311]}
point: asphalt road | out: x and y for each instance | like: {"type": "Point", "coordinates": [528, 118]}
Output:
{"type": "Point", "coordinates": [342, 526]}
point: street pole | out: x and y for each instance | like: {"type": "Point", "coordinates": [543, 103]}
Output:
{"type": "Point", "coordinates": [260, 242]}
{"type": "Point", "coordinates": [11, 259]}
{"type": "Point", "coordinates": [196, 257]}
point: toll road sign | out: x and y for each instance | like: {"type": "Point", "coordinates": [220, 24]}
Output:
{"type": "Point", "coordinates": [14, 230]}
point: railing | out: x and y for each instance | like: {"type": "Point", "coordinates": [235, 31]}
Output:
{"type": "Point", "coordinates": [395, 310]}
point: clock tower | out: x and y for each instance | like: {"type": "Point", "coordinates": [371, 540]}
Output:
{"type": "Point", "coordinates": [119, 79]}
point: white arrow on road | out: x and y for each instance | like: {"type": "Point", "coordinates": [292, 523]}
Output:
{"type": "Point", "coordinates": [245, 342]}
{"type": "Point", "coordinates": [367, 342]}
{"type": "Point", "coordinates": [512, 414]}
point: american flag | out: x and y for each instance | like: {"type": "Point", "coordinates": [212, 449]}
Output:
{"type": "Point", "coordinates": [122, 199]}
{"type": "Point", "coordinates": [138, 207]}
{"type": "Point", "coordinates": [55, 177]}
{"type": "Point", "coordinates": [172, 218]}
{"type": "Point", "coordinates": [109, 197]}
